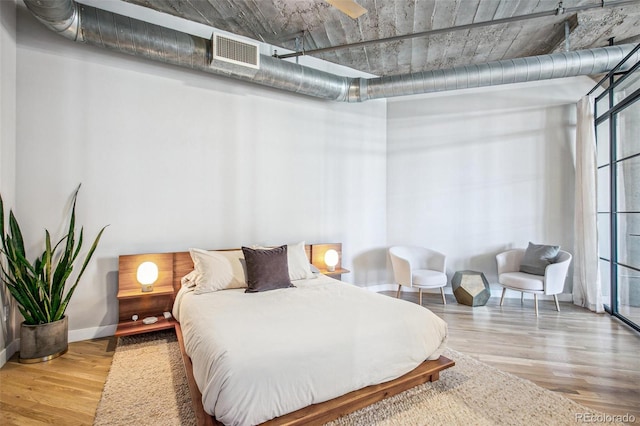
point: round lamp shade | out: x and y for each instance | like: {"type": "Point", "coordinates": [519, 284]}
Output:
{"type": "Point", "coordinates": [331, 259]}
{"type": "Point", "coordinates": [147, 273]}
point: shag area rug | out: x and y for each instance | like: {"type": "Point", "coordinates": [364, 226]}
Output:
{"type": "Point", "coordinates": [147, 386]}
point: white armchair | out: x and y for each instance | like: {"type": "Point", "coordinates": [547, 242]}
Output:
{"type": "Point", "coordinates": [418, 267]}
{"type": "Point", "coordinates": [552, 283]}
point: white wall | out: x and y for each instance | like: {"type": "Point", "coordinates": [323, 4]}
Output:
{"type": "Point", "coordinates": [7, 144]}
{"type": "Point", "coordinates": [474, 172]}
{"type": "Point", "coordinates": [173, 159]}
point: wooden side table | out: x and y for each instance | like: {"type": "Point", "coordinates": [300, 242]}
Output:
{"type": "Point", "coordinates": [317, 259]}
{"type": "Point", "coordinates": [151, 304]}
{"type": "Point", "coordinates": [470, 288]}
{"type": "Point", "coordinates": [133, 301]}
{"type": "Point", "coordinates": [337, 274]}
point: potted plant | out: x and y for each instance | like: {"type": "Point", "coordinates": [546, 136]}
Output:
{"type": "Point", "coordinates": [39, 286]}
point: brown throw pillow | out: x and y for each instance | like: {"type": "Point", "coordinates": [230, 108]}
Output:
{"type": "Point", "coordinates": [266, 269]}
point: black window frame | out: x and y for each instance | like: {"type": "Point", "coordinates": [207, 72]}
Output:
{"type": "Point", "coordinates": [615, 77]}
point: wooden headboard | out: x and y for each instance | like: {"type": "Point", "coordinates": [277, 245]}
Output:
{"type": "Point", "coordinates": [134, 305]}
{"type": "Point", "coordinates": [173, 266]}
{"type": "Point", "coordinates": [182, 265]}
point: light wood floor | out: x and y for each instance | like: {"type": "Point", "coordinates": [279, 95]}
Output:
{"type": "Point", "coordinates": [592, 359]}
{"type": "Point", "coordinates": [63, 391]}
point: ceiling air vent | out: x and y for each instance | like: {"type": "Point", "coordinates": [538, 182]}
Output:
{"type": "Point", "coordinates": [236, 51]}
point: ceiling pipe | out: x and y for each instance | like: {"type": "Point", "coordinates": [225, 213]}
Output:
{"type": "Point", "coordinates": [123, 34]}
{"type": "Point", "coordinates": [97, 27]}
{"type": "Point", "coordinates": [544, 67]}
{"type": "Point", "coordinates": [60, 16]}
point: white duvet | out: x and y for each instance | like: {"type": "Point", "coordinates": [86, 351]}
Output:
{"type": "Point", "coordinates": [257, 356]}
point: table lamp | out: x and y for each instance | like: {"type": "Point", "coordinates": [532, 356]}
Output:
{"type": "Point", "coordinates": [331, 259]}
{"type": "Point", "coordinates": [147, 274]}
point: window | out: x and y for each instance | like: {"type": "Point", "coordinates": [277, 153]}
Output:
{"type": "Point", "coordinates": [618, 160]}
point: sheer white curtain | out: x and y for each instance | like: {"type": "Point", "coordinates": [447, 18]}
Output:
{"type": "Point", "coordinates": [587, 290]}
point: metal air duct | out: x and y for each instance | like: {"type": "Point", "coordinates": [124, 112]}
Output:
{"type": "Point", "coordinates": [97, 27]}
{"type": "Point", "coordinates": [101, 28]}
{"type": "Point", "coordinates": [558, 65]}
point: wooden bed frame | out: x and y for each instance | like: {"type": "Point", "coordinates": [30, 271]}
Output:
{"type": "Point", "coordinates": [315, 414]}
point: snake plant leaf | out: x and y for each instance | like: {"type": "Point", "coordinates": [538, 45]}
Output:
{"type": "Point", "coordinates": [72, 224]}
{"type": "Point", "coordinates": [47, 258]}
{"type": "Point", "coordinates": [27, 300]}
{"type": "Point", "coordinates": [18, 258]}
{"type": "Point", "coordinates": [61, 271]}
{"type": "Point", "coordinates": [4, 243]}
{"type": "Point", "coordinates": [16, 235]}
{"type": "Point", "coordinates": [77, 252]}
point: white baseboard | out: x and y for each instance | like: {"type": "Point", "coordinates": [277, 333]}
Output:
{"type": "Point", "coordinates": [8, 352]}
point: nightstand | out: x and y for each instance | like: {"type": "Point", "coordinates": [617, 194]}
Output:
{"type": "Point", "coordinates": [133, 301]}
{"type": "Point", "coordinates": [337, 274]}
{"type": "Point", "coordinates": [317, 257]}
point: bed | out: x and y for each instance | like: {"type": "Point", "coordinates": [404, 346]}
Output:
{"type": "Point", "coordinates": [303, 354]}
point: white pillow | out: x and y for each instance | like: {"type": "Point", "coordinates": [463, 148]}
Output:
{"type": "Point", "coordinates": [213, 271]}
{"type": "Point", "coordinates": [189, 280]}
{"type": "Point", "coordinates": [236, 259]}
{"type": "Point", "coordinates": [299, 266]}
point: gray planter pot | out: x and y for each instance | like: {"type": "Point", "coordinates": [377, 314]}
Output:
{"type": "Point", "coordinates": [43, 342]}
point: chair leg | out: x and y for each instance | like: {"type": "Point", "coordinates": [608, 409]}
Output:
{"type": "Point", "coordinates": [444, 300]}
{"type": "Point", "coordinates": [420, 296]}
{"type": "Point", "coordinates": [535, 302]}
{"type": "Point", "coordinates": [555, 297]}
{"type": "Point", "coordinates": [504, 290]}
{"type": "Point", "coordinates": [398, 292]}
{"type": "Point", "coordinates": [522, 297]}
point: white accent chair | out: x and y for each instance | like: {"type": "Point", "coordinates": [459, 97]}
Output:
{"type": "Point", "coordinates": [552, 283]}
{"type": "Point", "coordinates": [419, 267]}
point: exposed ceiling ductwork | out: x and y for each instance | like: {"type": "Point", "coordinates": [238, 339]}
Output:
{"type": "Point", "coordinates": [123, 34]}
